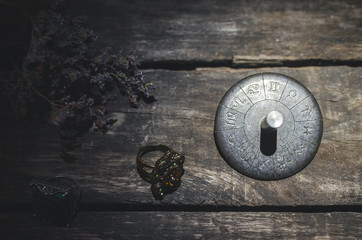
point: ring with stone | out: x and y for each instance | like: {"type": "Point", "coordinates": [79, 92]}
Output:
{"type": "Point", "coordinates": [165, 174]}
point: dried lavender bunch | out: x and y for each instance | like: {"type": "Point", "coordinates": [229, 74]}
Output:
{"type": "Point", "coordinates": [60, 69]}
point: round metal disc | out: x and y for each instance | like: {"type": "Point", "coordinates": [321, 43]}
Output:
{"type": "Point", "coordinates": [279, 106]}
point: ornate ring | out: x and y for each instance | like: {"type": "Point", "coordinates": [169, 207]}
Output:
{"type": "Point", "coordinates": [165, 175]}
{"type": "Point", "coordinates": [56, 199]}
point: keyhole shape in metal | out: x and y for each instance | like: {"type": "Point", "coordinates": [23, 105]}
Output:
{"type": "Point", "coordinates": [268, 132]}
{"type": "Point", "coordinates": [259, 145]}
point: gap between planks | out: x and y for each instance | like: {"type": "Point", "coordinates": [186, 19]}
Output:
{"type": "Point", "coordinates": [246, 62]}
{"type": "Point", "coordinates": [107, 207]}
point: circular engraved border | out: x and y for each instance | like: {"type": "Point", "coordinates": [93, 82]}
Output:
{"type": "Point", "coordinates": [241, 154]}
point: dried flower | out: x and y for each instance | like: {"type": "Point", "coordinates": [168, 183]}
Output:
{"type": "Point", "coordinates": [60, 69]}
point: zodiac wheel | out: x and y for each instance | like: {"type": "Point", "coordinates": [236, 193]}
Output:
{"type": "Point", "coordinates": [268, 126]}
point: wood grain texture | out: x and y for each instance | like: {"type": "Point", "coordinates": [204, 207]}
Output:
{"type": "Point", "coordinates": [183, 117]}
{"type": "Point", "coordinates": [249, 32]}
{"type": "Point", "coordinates": [187, 225]}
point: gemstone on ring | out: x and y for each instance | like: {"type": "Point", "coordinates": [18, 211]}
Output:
{"type": "Point", "coordinates": [165, 175]}
{"type": "Point", "coordinates": [56, 199]}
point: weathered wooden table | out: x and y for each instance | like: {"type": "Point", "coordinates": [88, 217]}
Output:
{"type": "Point", "coordinates": [193, 52]}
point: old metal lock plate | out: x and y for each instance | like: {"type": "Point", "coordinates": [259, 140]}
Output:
{"type": "Point", "coordinates": [268, 126]}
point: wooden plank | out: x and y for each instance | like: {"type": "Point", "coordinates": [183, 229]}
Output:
{"type": "Point", "coordinates": [249, 32]}
{"type": "Point", "coordinates": [183, 117]}
{"type": "Point", "coordinates": [187, 225]}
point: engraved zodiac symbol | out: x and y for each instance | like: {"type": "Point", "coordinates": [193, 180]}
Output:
{"type": "Point", "coordinates": [300, 149]}
{"type": "Point", "coordinates": [237, 102]}
{"type": "Point", "coordinates": [263, 164]}
{"type": "Point", "coordinates": [245, 153]}
{"type": "Point", "coordinates": [253, 89]}
{"type": "Point", "coordinates": [308, 130]}
{"type": "Point", "coordinates": [230, 118]}
{"type": "Point", "coordinates": [247, 156]}
{"type": "Point", "coordinates": [282, 166]}
{"type": "Point", "coordinates": [292, 94]}
{"type": "Point", "coordinates": [307, 110]}
{"type": "Point", "coordinates": [242, 150]}
{"type": "Point", "coordinates": [274, 86]}
{"type": "Point", "coordinates": [282, 161]}
{"type": "Point", "coordinates": [231, 139]}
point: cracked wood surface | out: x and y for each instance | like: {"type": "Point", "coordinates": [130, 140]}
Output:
{"type": "Point", "coordinates": [245, 32]}
{"type": "Point", "coordinates": [176, 35]}
{"type": "Point", "coordinates": [188, 225]}
{"type": "Point", "coordinates": [183, 117]}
